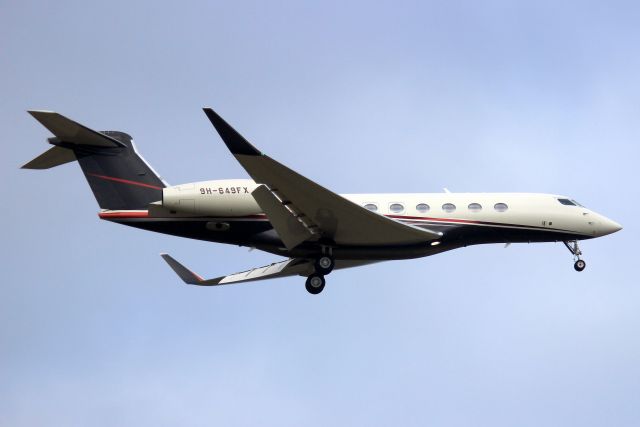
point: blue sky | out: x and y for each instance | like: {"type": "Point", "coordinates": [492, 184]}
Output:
{"type": "Point", "coordinates": [393, 97]}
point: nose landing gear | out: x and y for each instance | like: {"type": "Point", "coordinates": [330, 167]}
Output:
{"type": "Point", "coordinates": [573, 247]}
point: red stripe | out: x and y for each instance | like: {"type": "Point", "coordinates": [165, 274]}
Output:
{"type": "Point", "coordinates": [145, 214]}
{"type": "Point", "coordinates": [125, 181]}
{"type": "Point", "coordinates": [141, 214]}
{"type": "Point", "coordinates": [468, 221]}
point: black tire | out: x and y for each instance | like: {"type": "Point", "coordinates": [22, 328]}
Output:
{"type": "Point", "coordinates": [579, 265]}
{"type": "Point", "coordinates": [324, 265]}
{"type": "Point", "coordinates": [315, 284]}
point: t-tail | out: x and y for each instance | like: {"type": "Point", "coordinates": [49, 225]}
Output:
{"type": "Point", "coordinates": [118, 176]}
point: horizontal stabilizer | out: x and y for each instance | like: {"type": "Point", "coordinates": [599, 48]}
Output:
{"type": "Point", "coordinates": [53, 157]}
{"type": "Point", "coordinates": [72, 132]}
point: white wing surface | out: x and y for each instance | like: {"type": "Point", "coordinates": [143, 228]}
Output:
{"type": "Point", "coordinates": [324, 213]}
{"type": "Point", "coordinates": [289, 267]}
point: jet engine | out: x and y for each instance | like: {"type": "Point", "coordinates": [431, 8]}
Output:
{"type": "Point", "coordinates": [219, 198]}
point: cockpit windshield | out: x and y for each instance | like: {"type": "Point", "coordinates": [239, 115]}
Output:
{"type": "Point", "coordinates": [568, 202]}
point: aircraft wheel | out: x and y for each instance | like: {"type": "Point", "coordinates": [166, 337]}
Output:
{"type": "Point", "coordinates": [579, 265]}
{"type": "Point", "coordinates": [324, 265]}
{"type": "Point", "coordinates": [315, 284]}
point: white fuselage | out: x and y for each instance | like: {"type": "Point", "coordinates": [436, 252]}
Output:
{"type": "Point", "coordinates": [232, 198]}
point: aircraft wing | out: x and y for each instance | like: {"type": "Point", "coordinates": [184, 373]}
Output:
{"type": "Point", "coordinates": [290, 267]}
{"type": "Point", "coordinates": [322, 212]}
{"type": "Point", "coordinates": [286, 268]}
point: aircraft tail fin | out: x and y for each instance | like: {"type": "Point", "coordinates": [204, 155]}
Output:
{"type": "Point", "coordinates": [118, 176]}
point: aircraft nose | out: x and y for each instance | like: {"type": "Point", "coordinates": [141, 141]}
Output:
{"type": "Point", "coordinates": [608, 226]}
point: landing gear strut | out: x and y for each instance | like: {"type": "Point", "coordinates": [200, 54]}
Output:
{"type": "Point", "coordinates": [573, 247]}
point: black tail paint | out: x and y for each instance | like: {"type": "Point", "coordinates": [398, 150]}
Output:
{"type": "Point", "coordinates": [118, 176]}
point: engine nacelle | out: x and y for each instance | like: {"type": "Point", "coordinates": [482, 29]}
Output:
{"type": "Point", "coordinates": [219, 198]}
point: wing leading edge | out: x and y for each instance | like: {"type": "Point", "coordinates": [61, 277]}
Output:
{"type": "Point", "coordinates": [320, 210]}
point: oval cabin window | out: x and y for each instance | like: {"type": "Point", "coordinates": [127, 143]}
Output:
{"type": "Point", "coordinates": [396, 207]}
{"type": "Point", "coordinates": [449, 207]}
{"type": "Point", "coordinates": [371, 206]}
{"type": "Point", "coordinates": [501, 207]}
{"type": "Point", "coordinates": [475, 207]}
{"type": "Point", "coordinates": [422, 208]}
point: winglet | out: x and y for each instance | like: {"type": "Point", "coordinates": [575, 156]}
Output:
{"type": "Point", "coordinates": [234, 141]}
{"type": "Point", "coordinates": [187, 276]}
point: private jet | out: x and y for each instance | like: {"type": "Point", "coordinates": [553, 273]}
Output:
{"type": "Point", "coordinates": [284, 213]}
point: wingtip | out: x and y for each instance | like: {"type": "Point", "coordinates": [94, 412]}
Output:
{"type": "Point", "coordinates": [187, 276]}
{"type": "Point", "coordinates": [235, 142]}
{"type": "Point", "coordinates": [40, 113]}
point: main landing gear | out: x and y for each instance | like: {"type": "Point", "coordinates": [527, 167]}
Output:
{"type": "Point", "coordinates": [315, 284]}
{"type": "Point", "coordinates": [573, 247]}
{"type": "Point", "coordinates": [322, 266]}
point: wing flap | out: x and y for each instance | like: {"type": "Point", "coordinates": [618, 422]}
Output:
{"type": "Point", "coordinates": [291, 230]}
